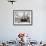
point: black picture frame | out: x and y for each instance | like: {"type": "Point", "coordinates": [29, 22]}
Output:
{"type": "Point", "coordinates": [14, 11]}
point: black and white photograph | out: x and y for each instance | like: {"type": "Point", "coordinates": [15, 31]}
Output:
{"type": "Point", "coordinates": [22, 17]}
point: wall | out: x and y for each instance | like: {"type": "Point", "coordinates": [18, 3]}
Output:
{"type": "Point", "coordinates": [38, 30]}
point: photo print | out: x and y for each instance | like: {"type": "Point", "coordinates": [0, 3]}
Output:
{"type": "Point", "coordinates": [22, 17]}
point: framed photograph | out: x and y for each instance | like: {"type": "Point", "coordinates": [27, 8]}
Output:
{"type": "Point", "coordinates": [22, 17]}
